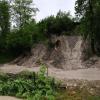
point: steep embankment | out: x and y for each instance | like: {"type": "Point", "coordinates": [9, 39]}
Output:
{"type": "Point", "coordinates": [66, 53]}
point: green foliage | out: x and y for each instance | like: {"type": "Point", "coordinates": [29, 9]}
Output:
{"type": "Point", "coordinates": [24, 39]}
{"type": "Point", "coordinates": [20, 13]}
{"type": "Point", "coordinates": [24, 31]}
{"type": "Point", "coordinates": [28, 85]}
{"type": "Point", "coordinates": [4, 22]}
{"type": "Point", "coordinates": [2, 43]}
{"type": "Point", "coordinates": [19, 41]}
{"type": "Point", "coordinates": [23, 12]}
{"type": "Point", "coordinates": [89, 16]}
{"type": "Point", "coordinates": [4, 17]}
{"type": "Point", "coordinates": [6, 57]}
{"type": "Point", "coordinates": [58, 25]}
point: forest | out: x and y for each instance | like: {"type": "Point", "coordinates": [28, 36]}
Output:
{"type": "Point", "coordinates": [19, 30]}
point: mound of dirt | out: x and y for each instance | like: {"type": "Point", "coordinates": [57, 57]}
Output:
{"type": "Point", "coordinates": [66, 53]}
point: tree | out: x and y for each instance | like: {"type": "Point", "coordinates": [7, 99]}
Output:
{"type": "Point", "coordinates": [4, 17]}
{"type": "Point", "coordinates": [23, 12]}
{"type": "Point", "coordinates": [87, 12]}
{"type": "Point", "coordinates": [64, 23]}
{"type": "Point", "coordinates": [19, 41]}
{"type": "Point", "coordinates": [57, 25]}
{"type": "Point", "coordinates": [97, 28]}
{"type": "Point", "coordinates": [4, 22]}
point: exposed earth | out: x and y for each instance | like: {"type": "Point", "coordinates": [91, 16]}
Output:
{"type": "Point", "coordinates": [8, 98]}
{"type": "Point", "coordinates": [80, 74]}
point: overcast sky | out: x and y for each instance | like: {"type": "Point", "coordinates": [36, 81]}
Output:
{"type": "Point", "coordinates": [51, 7]}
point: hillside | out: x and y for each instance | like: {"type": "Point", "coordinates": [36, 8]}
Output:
{"type": "Point", "coordinates": [69, 53]}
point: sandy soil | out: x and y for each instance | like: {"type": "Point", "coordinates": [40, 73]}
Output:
{"type": "Point", "coordinates": [8, 98]}
{"type": "Point", "coordinates": [80, 74]}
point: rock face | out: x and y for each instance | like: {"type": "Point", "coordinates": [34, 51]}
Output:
{"type": "Point", "coordinates": [72, 52]}
{"type": "Point", "coordinates": [65, 53]}
{"type": "Point", "coordinates": [68, 54]}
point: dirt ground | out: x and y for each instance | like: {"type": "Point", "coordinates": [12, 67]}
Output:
{"type": "Point", "coordinates": [8, 98]}
{"type": "Point", "coordinates": [80, 74]}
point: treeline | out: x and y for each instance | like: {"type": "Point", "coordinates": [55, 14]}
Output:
{"type": "Point", "coordinates": [61, 24]}
{"type": "Point", "coordinates": [88, 14]}
{"type": "Point", "coordinates": [19, 30]}
{"type": "Point", "coordinates": [16, 25]}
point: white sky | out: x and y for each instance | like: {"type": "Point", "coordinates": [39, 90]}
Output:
{"type": "Point", "coordinates": [51, 7]}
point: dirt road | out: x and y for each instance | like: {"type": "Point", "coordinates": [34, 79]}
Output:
{"type": "Point", "coordinates": [80, 74]}
{"type": "Point", "coordinates": [8, 98]}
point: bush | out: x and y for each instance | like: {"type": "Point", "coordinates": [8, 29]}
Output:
{"type": "Point", "coordinates": [19, 42]}
{"type": "Point", "coordinates": [28, 85]}
{"type": "Point", "coordinates": [57, 25]}
{"type": "Point", "coordinates": [22, 40]}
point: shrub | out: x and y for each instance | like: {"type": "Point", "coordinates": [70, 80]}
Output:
{"type": "Point", "coordinates": [19, 42]}
{"type": "Point", "coordinates": [28, 85]}
{"type": "Point", "coordinates": [22, 40]}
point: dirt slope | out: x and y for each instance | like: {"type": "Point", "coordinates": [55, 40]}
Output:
{"type": "Point", "coordinates": [66, 55]}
